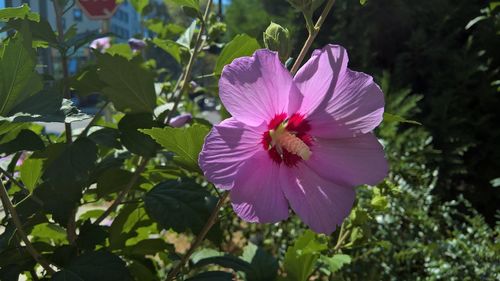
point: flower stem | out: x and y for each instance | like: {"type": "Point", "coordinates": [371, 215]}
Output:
{"type": "Point", "coordinates": [189, 68]}
{"type": "Point", "coordinates": [342, 236]}
{"type": "Point", "coordinates": [206, 228]}
{"type": "Point", "coordinates": [124, 192]}
{"type": "Point", "coordinates": [20, 231]}
{"type": "Point", "coordinates": [94, 119]}
{"type": "Point", "coordinates": [312, 35]}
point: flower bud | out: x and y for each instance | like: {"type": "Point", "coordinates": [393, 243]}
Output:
{"type": "Point", "coordinates": [180, 120]}
{"type": "Point", "coordinates": [136, 44]}
{"type": "Point", "coordinates": [277, 38]}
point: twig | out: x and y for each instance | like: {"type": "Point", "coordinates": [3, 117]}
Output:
{"type": "Point", "coordinates": [190, 65]}
{"type": "Point", "coordinates": [312, 35]}
{"type": "Point", "coordinates": [124, 192]}
{"type": "Point", "coordinates": [94, 119]}
{"type": "Point", "coordinates": [17, 222]}
{"type": "Point", "coordinates": [64, 62]}
{"type": "Point", "coordinates": [206, 228]}
{"type": "Point", "coordinates": [342, 236]}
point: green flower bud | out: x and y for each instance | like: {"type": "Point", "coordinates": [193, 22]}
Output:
{"type": "Point", "coordinates": [277, 38]}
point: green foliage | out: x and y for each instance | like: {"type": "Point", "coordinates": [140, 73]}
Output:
{"type": "Point", "coordinates": [186, 143]}
{"type": "Point", "coordinates": [129, 85]}
{"type": "Point", "coordinates": [179, 205]}
{"type": "Point", "coordinates": [241, 45]}
{"type": "Point", "coordinates": [301, 258]}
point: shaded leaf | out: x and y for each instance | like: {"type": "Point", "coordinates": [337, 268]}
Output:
{"type": "Point", "coordinates": [179, 205]}
{"type": "Point", "coordinates": [212, 276]}
{"type": "Point", "coordinates": [91, 266]}
{"type": "Point", "coordinates": [131, 126]}
{"type": "Point", "coordinates": [25, 140]}
{"type": "Point", "coordinates": [263, 266]}
{"type": "Point", "coordinates": [130, 85]}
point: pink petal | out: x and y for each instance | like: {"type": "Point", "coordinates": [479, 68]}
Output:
{"type": "Point", "coordinates": [319, 75]}
{"type": "Point", "coordinates": [257, 194]}
{"type": "Point", "coordinates": [255, 89]}
{"type": "Point", "coordinates": [338, 102]}
{"type": "Point", "coordinates": [349, 161]}
{"type": "Point", "coordinates": [321, 204]}
{"type": "Point", "coordinates": [226, 148]}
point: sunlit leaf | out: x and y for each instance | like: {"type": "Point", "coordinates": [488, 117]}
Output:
{"type": "Point", "coordinates": [241, 45]}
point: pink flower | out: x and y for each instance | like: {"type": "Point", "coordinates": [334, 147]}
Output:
{"type": "Point", "coordinates": [302, 141]}
{"type": "Point", "coordinates": [101, 44]}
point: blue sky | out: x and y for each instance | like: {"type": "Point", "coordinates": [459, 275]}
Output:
{"type": "Point", "coordinates": [1, 4]}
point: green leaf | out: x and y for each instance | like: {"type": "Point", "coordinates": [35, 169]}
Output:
{"type": "Point", "coordinates": [263, 266]}
{"type": "Point", "coordinates": [396, 118]}
{"type": "Point", "coordinates": [363, 2]}
{"type": "Point", "coordinates": [186, 143]}
{"type": "Point", "coordinates": [87, 81]}
{"type": "Point", "coordinates": [20, 12]}
{"type": "Point", "coordinates": [106, 137]}
{"type": "Point", "coordinates": [336, 262]}
{"type": "Point", "coordinates": [212, 276]}
{"type": "Point", "coordinates": [129, 218]}
{"type": "Point", "coordinates": [171, 47]}
{"type": "Point", "coordinates": [193, 4]}
{"type": "Point", "coordinates": [25, 140]}
{"type": "Point", "coordinates": [131, 126]}
{"type": "Point", "coordinates": [112, 180]}
{"type": "Point", "coordinates": [179, 205]}
{"type": "Point", "coordinates": [49, 233]}
{"type": "Point", "coordinates": [148, 247]}
{"type": "Point", "coordinates": [139, 5]}
{"type": "Point", "coordinates": [130, 85]}
{"type": "Point", "coordinates": [300, 259]}
{"type": "Point", "coordinates": [91, 235]}
{"type": "Point", "coordinates": [19, 80]}
{"type": "Point", "coordinates": [187, 35]}
{"type": "Point", "coordinates": [241, 45]}
{"type": "Point", "coordinates": [40, 30]}
{"type": "Point", "coordinates": [122, 50]}
{"type": "Point", "coordinates": [91, 266]}
{"type": "Point", "coordinates": [31, 171]}
{"type": "Point", "coordinates": [67, 172]}
{"type": "Point", "coordinates": [227, 261]}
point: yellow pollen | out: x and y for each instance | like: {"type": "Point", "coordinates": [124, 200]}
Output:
{"type": "Point", "coordinates": [281, 138]}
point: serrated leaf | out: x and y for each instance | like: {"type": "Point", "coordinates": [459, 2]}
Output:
{"type": "Point", "coordinates": [20, 12]}
{"type": "Point", "coordinates": [25, 140]}
{"type": "Point", "coordinates": [241, 45]}
{"type": "Point", "coordinates": [336, 262]}
{"type": "Point", "coordinates": [19, 80]}
{"type": "Point", "coordinates": [91, 266]}
{"type": "Point", "coordinates": [122, 50]}
{"type": "Point", "coordinates": [171, 47]}
{"type": "Point", "coordinates": [388, 117]}
{"type": "Point", "coordinates": [186, 143]}
{"type": "Point", "coordinates": [179, 205]}
{"type": "Point", "coordinates": [130, 85]}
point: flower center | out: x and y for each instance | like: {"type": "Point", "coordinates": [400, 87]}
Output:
{"type": "Point", "coordinates": [287, 139]}
{"type": "Point", "coordinates": [282, 139]}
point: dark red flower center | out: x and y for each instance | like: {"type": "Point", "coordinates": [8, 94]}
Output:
{"type": "Point", "coordinates": [287, 140]}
